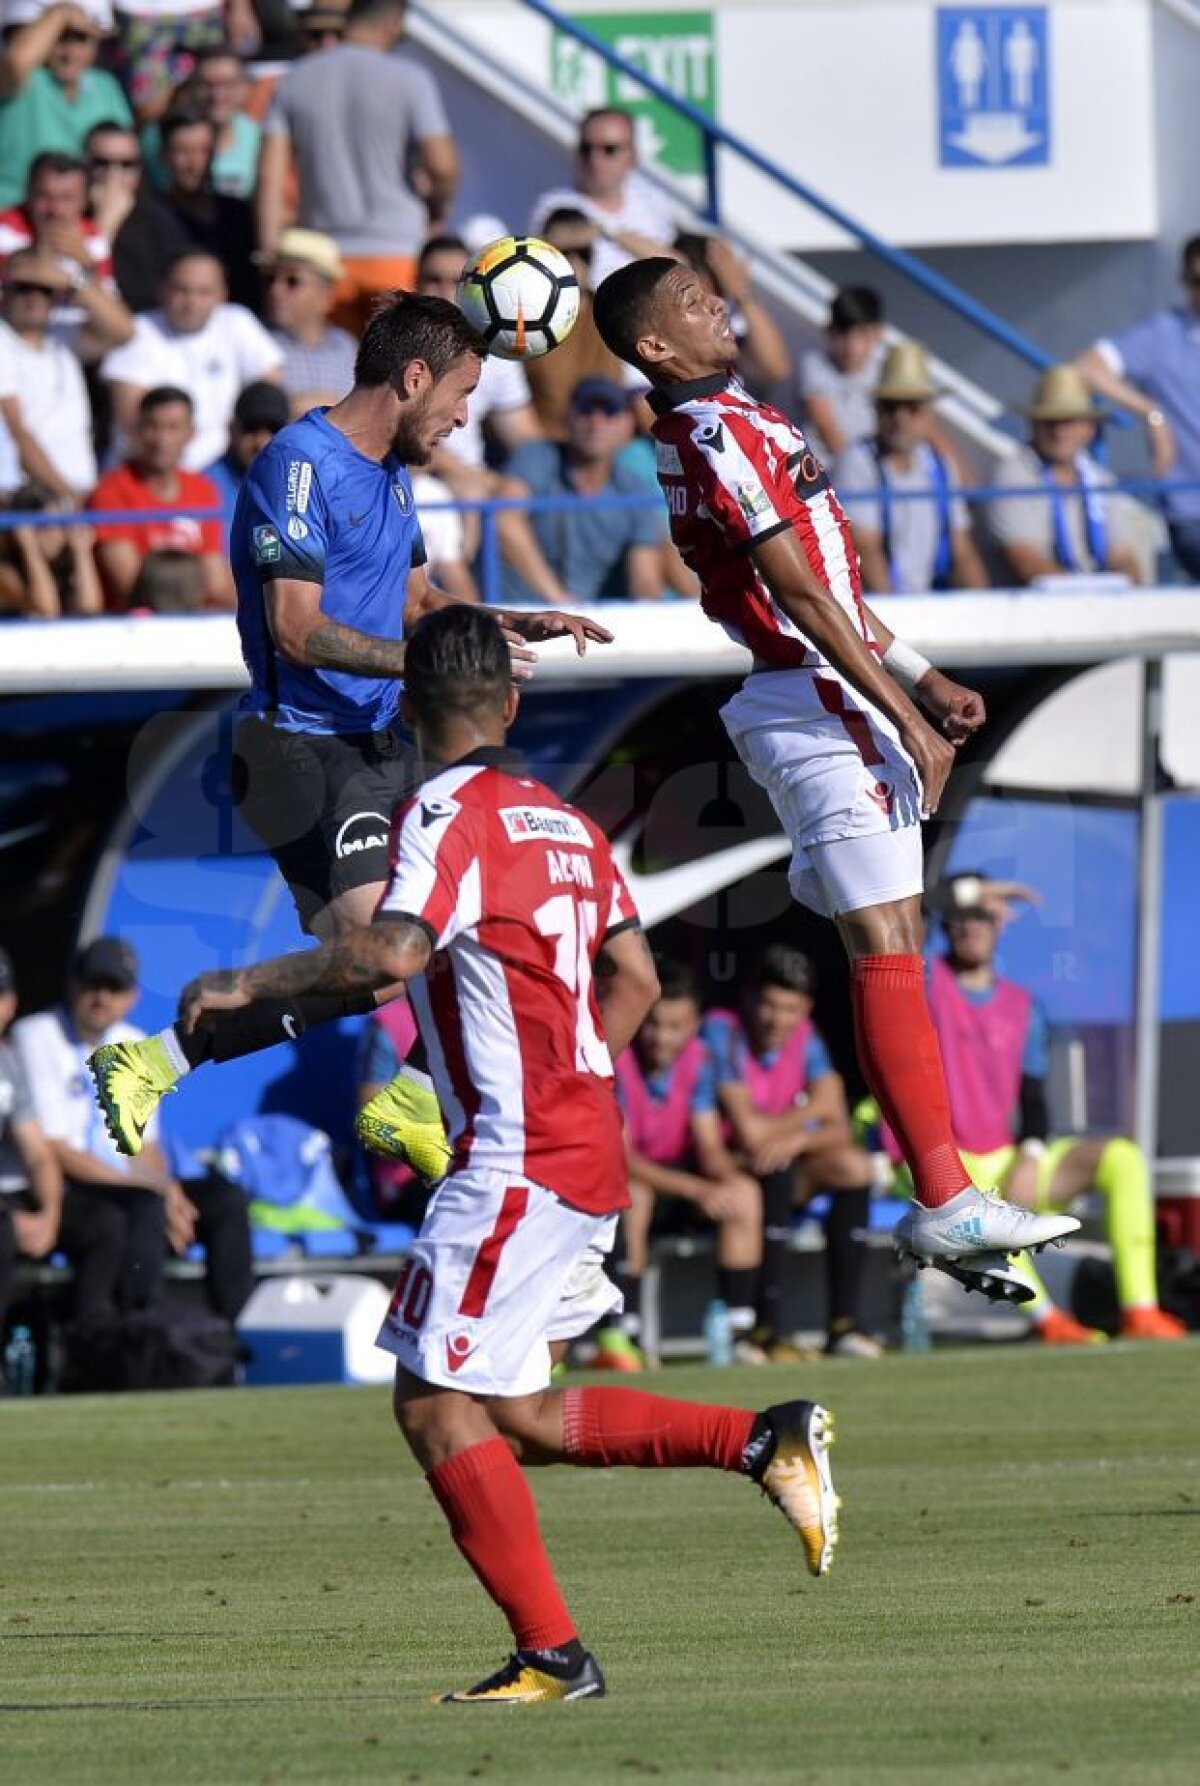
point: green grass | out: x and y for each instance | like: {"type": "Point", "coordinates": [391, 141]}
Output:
{"type": "Point", "coordinates": [257, 1587]}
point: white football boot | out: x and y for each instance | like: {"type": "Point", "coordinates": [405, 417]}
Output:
{"type": "Point", "coordinates": [970, 1237]}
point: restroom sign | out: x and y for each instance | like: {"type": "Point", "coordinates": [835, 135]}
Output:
{"type": "Point", "coordinates": [993, 80]}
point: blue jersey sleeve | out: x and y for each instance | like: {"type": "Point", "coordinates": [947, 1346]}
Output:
{"type": "Point", "coordinates": [717, 1033]}
{"type": "Point", "coordinates": [704, 1092]}
{"type": "Point", "coordinates": [282, 515]}
{"type": "Point", "coordinates": [1035, 1062]}
{"type": "Point", "coordinates": [817, 1061]}
{"type": "Point", "coordinates": [378, 1060]}
{"type": "Point", "coordinates": [420, 555]}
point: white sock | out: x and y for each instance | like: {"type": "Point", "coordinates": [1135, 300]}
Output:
{"type": "Point", "coordinates": [417, 1076]}
{"type": "Point", "coordinates": [174, 1048]}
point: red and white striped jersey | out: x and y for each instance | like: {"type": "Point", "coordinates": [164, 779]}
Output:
{"type": "Point", "coordinates": [517, 892]}
{"type": "Point", "coordinates": [734, 472]}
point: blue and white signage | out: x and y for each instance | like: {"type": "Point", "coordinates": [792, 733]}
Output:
{"type": "Point", "coordinates": [993, 81]}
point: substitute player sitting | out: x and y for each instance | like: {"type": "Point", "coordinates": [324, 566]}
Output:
{"type": "Point", "coordinates": [789, 1124]}
{"type": "Point", "coordinates": [827, 723]}
{"type": "Point", "coordinates": [503, 906]}
{"type": "Point", "coordinates": [993, 1038]}
{"type": "Point", "coordinates": [682, 1176]}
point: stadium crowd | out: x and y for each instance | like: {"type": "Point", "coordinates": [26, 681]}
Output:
{"type": "Point", "coordinates": [199, 206]}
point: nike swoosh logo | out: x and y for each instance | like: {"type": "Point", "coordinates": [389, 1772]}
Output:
{"type": "Point", "coordinates": [357, 520]}
{"type": "Point", "coordinates": [289, 1026]}
{"type": "Point", "coordinates": [673, 890]}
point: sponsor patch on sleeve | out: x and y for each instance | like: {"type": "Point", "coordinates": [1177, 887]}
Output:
{"type": "Point", "coordinates": [752, 499]}
{"type": "Point", "coordinates": [266, 545]}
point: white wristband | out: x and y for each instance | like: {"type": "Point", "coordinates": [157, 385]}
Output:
{"type": "Point", "coordinates": [906, 664]}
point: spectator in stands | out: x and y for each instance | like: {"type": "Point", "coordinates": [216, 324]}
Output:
{"type": "Point", "coordinates": [199, 342]}
{"type": "Point", "coordinates": [47, 571]}
{"type": "Point", "coordinates": [554, 376]}
{"type": "Point", "coordinates": [119, 1215]}
{"type": "Point", "coordinates": [994, 1043]}
{"type": "Point", "coordinates": [444, 531]}
{"type": "Point", "coordinates": [153, 478]}
{"type": "Point", "coordinates": [30, 1180]}
{"type": "Point", "coordinates": [763, 357]}
{"type": "Point", "coordinates": [216, 91]}
{"type": "Point", "coordinates": [682, 1176]}
{"type": "Point", "coordinates": [837, 382]}
{"type": "Point", "coordinates": [907, 546]}
{"type": "Point", "coordinates": [632, 216]}
{"type": "Point", "coordinates": [593, 554]}
{"type": "Point", "coordinates": [202, 217]}
{"type": "Point", "coordinates": [168, 582]}
{"type": "Point", "coordinates": [45, 416]}
{"type": "Point", "coordinates": [53, 217]}
{"type": "Point", "coordinates": [790, 1125]}
{"type": "Point", "coordinates": [1078, 527]}
{"type": "Point", "coordinates": [51, 93]}
{"type": "Point", "coordinates": [260, 412]}
{"type": "Point", "coordinates": [125, 213]}
{"type": "Point", "coordinates": [158, 42]}
{"type": "Point", "coordinates": [318, 358]}
{"type": "Point", "coordinates": [1153, 368]}
{"type": "Point", "coordinates": [375, 161]}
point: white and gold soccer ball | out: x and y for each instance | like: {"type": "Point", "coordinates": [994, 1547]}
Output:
{"type": "Point", "coordinates": [522, 296]}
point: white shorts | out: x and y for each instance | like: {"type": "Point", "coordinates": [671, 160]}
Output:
{"type": "Point", "coordinates": [500, 1268]}
{"type": "Point", "coordinates": [845, 789]}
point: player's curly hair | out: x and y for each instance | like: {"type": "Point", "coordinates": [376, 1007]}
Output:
{"type": "Point", "coordinates": [782, 966]}
{"type": "Point", "coordinates": [455, 661]}
{"type": "Point", "coordinates": [623, 306]}
{"type": "Point", "coordinates": [409, 326]}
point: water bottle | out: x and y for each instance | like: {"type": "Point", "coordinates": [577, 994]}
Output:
{"type": "Point", "coordinates": [20, 1362]}
{"type": "Point", "coordinates": [718, 1334]}
{"type": "Point", "coordinates": [914, 1328]}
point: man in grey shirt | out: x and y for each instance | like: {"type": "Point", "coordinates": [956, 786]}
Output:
{"type": "Point", "coordinates": [1079, 527]}
{"type": "Point", "coordinates": [375, 162]}
{"type": "Point", "coordinates": [907, 543]}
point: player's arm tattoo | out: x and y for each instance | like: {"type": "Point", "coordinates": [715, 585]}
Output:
{"type": "Point", "coordinates": [365, 960]}
{"type": "Point", "coordinates": [331, 646]}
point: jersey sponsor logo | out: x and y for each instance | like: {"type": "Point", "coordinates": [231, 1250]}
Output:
{"type": "Point", "coordinates": [403, 497]}
{"type": "Point", "coordinates": [296, 528]}
{"type": "Point", "coordinates": [666, 458]}
{"type": "Point", "coordinates": [361, 831]}
{"type": "Point", "coordinates": [458, 1350]}
{"type": "Point", "coordinates": [526, 824]}
{"type": "Point", "coordinates": [808, 474]}
{"type": "Point", "coordinates": [299, 486]}
{"type": "Point", "coordinates": [433, 810]}
{"type": "Point", "coordinates": [266, 545]}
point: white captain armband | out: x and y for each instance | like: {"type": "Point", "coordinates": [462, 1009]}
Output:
{"type": "Point", "coordinates": [906, 664]}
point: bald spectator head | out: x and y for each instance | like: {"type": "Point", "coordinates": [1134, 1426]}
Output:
{"type": "Point", "coordinates": [607, 153]}
{"type": "Point", "coordinates": [192, 288]}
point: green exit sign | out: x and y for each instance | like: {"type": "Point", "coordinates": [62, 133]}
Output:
{"type": "Point", "coordinates": [678, 49]}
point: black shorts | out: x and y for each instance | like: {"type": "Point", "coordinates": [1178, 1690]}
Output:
{"type": "Point", "coordinates": [322, 804]}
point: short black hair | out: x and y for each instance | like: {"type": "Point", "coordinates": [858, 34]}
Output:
{"type": "Point", "coordinates": [367, 12]}
{"type": "Point", "coordinates": [161, 395]}
{"type": "Point", "coordinates": [624, 304]}
{"type": "Point", "coordinates": [676, 979]}
{"type": "Point", "coordinates": [562, 214]}
{"type": "Point", "coordinates": [456, 661]}
{"type": "Point", "coordinates": [782, 966]}
{"type": "Point", "coordinates": [105, 126]}
{"type": "Point", "coordinates": [53, 161]}
{"type": "Point", "coordinates": [855, 307]}
{"type": "Point", "coordinates": [1191, 251]}
{"type": "Point", "coordinates": [411, 326]}
{"type": "Point", "coordinates": [183, 117]}
{"type": "Point", "coordinates": [609, 111]}
{"type": "Point", "coordinates": [441, 244]}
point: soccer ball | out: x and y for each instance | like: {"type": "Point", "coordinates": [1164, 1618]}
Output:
{"type": "Point", "coordinates": [521, 295]}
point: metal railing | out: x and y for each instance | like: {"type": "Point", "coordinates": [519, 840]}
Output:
{"type": "Point", "coordinates": [716, 136]}
{"type": "Point", "coordinates": [489, 560]}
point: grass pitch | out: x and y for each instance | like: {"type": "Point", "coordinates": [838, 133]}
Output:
{"type": "Point", "coordinates": [256, 1587]}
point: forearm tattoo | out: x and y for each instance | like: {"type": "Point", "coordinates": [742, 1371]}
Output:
{"type": "Point", "coordinates": [363, 961]}
{"type": "Point", "coordinates": [331, 646]}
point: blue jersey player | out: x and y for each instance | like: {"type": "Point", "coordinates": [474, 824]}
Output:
{"type": "Point", "coordinates": [330, 570]}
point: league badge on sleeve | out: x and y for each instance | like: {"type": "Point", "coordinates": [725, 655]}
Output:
{"type": "Point", "coordinates": [266, 545]}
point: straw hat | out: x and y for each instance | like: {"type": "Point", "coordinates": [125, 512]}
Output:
{"type": "Point", "coordinates": [904, 376]}
{"type": "Point", "coordinates": [309, 248]}
{"type": "Point", "coordinates": [1062, 395]}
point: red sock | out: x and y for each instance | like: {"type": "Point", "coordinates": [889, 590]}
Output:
{"type": "Point", "coordinates": [627, 1426]}
{"type": "Point", "coordinates": [494, 1523]}
{"type": "Point", "coordinates": [898, 1053]}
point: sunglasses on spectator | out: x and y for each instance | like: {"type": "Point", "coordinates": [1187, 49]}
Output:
{"type": "Point", "coordinates": [319, 33]}
{"type": "Point", "coordinates": [598, 406]}
{"type": "Point", "coordinates": [24, 288]}
{"type": "Point", "coordinates": [131, 163]}
{"type": "Point", "coordinates": [278, 276]}
{"type": "Point", "coordinates": [894, 403]}
{"type": "Point", "coordinates": [104, 985]}
{"type": "Point", "coordinates": [609, 147]}
{"type": "Point", "coordinates": [73, 35]}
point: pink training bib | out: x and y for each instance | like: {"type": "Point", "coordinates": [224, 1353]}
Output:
{"type": "Point", "coordinates": [660, 1129]}
{"type": "Point", "coordinates": [982, 1049]}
